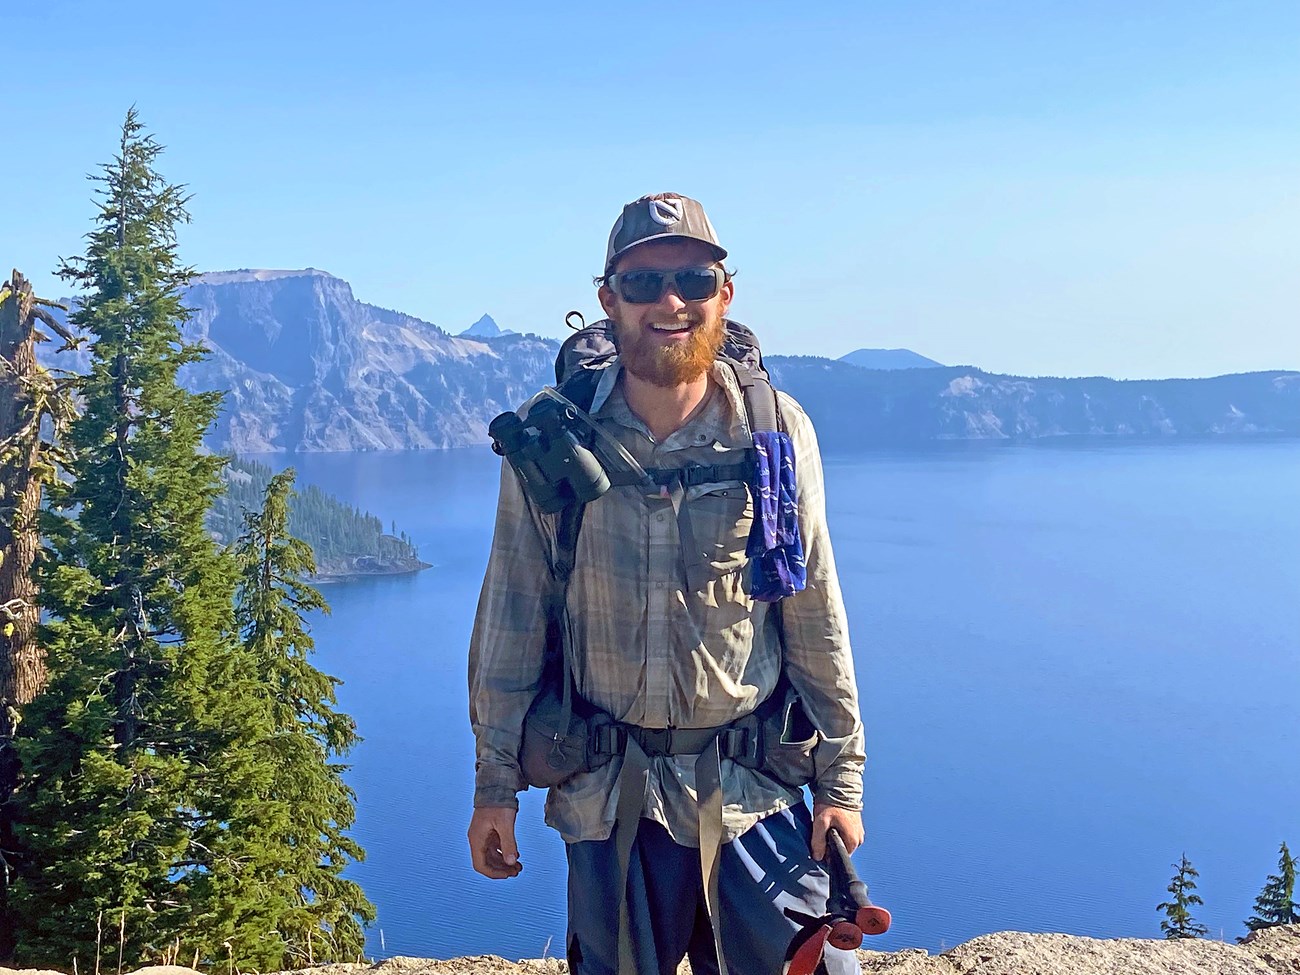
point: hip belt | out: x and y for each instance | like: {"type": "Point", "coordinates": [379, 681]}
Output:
{"type": "Point", "coordinates": [737, 740]}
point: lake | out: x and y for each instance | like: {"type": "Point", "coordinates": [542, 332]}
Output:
{"type": "Point", "coordinates": [1077, 662]}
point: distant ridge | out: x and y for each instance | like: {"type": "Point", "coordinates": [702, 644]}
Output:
{"type": "Point", "coordinates": [244, 275]}
{"type": "Point", "coordinates": [486, 328]}
{"type": "Point", "coordinates": [889, 359]}
{"type": "Point", "coordinates": [307, 367]}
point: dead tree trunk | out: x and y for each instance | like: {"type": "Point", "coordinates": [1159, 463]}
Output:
{"type": "Point", "coordinates": [22, 665]}
{"type": "Point", "coordinates": [28, 394]}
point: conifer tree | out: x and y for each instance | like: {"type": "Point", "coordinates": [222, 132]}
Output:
{"type": "Point", "coordinates": [308, 807]}
{"type": "Point", "coordinates": [1276, 903]}
{"type": "Point", "coordinates": [1179, 922]}
{"type": "Point", "coordinates": [139, 776]}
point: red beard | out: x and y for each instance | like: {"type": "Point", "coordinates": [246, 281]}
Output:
{"type": "Point", "coordinates": [669, 365]}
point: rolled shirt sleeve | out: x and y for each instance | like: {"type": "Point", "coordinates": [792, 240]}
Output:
{"type": "Point", "coordinates": [818, 655]}
{"type": "Point", "coordinates": [508, 645]}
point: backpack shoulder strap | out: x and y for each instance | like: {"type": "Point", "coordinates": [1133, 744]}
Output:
{"type": "Point", "coordinates": [760, 398]}
{"type": "Point", "coordinates": [579, 387]}
{"type": "Point", "coordinates": [568, 523]}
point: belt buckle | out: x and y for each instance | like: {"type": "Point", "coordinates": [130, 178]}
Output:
{"type": "Point", "coordinates": [609, 738]}
{"type": "Point", "coordinates": [656, 741]}
{"type": "Point", "coordinates": [741, 744]}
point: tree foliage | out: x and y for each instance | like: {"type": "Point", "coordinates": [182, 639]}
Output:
{"type": "Point", "coordinates": [320, 913]}
{"type": "Point", "coordinates": [144, 811]}
{"type": "Point", "coordinates": [1276, 903]}
{"type": "Point", "coordinates": [1178, 922]}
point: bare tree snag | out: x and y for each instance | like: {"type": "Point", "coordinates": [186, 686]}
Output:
{"type": "Point", "coordinates": [28, 396]}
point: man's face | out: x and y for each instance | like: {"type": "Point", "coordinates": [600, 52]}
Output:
{"type": "Point", "coordinates": [667, 342]}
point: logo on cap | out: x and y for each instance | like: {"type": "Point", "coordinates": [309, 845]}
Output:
{"type": "Point", "coordinates": [666, 212]}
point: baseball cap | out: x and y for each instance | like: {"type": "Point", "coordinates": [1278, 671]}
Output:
{"type": "Point", "coordinates": [660, 217]}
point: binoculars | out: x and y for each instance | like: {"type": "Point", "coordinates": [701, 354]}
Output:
{"type": "Point", "coordinates": [555, 466]}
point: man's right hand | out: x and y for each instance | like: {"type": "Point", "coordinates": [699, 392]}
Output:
{"type": "Point", "coordinates": [492, 842]}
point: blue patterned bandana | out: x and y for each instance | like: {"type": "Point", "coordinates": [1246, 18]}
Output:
{"type": "Point", "coordinates": [775, 549]}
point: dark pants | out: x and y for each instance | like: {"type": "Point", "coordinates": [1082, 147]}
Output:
{"type": "Point", "coordinates": [763, 871]}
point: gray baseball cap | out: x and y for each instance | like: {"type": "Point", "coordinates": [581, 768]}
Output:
{"type": "Point", "coordinates": [660, 217]}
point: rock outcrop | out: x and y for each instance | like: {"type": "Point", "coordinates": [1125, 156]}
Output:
{"type": "Point", "coordinates": [1270, 952]}
{"type": "Point", "coordinates": [1273, 951]}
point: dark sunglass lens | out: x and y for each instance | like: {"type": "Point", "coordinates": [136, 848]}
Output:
{"type": "Point", "coordinates": [696, 283]}
{"type": "Point", "coordinates": [641, 287]}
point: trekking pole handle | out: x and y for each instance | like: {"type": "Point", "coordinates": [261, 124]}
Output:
{"type": "Point", "coordinates": [844, 878]}
{"type": "Point", "coordinates": [848, 888]}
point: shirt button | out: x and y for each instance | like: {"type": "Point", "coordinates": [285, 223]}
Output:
{"type": "Point", "coordinates": [659, 585]}
{"type": "Point", "coordinates": [660, 517]}
{"type": "Point", "coordinates": [700, 438]}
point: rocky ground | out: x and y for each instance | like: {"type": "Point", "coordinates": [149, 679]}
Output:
{"type": "Point", "coordinates": [1275, 951]}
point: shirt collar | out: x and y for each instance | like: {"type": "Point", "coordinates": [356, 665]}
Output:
{"type": "Point", "coordinates": [722, 420]}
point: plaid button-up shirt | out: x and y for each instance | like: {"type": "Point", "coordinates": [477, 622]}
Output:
{"type": "Point", "coordinates": [650, 651]}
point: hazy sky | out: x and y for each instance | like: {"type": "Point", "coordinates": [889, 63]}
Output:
{"type": "Point", "coordinates": [1034, 187]}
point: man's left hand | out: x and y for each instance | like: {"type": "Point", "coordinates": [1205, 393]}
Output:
{"type": "Point", "coordinates": [848, 822]}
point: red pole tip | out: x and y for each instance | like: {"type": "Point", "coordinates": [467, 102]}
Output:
{"type": "Point", "coordinates": [846, 935]}
{"type": "Point", "coordinates": [873, 920]}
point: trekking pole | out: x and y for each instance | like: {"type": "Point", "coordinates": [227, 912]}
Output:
{"type": "Point", "coordinates": [849, 893]}
{"type": "Point", "coordinates": [849, 913]}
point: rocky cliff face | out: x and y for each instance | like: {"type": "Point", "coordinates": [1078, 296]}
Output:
{"type": "Point", "coordinates": [307, 367]}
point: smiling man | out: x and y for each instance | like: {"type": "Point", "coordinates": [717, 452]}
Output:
{"type": "Point", "coordinates": [702, 618]}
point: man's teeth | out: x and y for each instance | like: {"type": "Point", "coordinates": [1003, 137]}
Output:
{"type": "Point", "coordinates": [670, 326]}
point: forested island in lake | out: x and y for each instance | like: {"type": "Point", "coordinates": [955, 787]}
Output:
{"type": "Point", "coordinates": [348, 543]}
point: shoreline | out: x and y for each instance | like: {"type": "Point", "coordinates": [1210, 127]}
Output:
{"type": "Point", "coordinates": [356, 574]}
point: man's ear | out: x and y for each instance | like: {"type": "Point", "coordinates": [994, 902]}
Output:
{"type": "Point", "coordinates": [607, 300]}
{"type": "Point", "coordinates": [726, 294]}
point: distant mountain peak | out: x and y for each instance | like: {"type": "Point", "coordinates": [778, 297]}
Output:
{"type": "Point", "coordinates": [244, 275]}
{"type": "Point", "coordinates": [486, 328]}
{"type": "Point", "coordinates": [889, 359]}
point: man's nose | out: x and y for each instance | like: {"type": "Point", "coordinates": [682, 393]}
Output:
{"type": "Point", "coordinates": [670, 299]}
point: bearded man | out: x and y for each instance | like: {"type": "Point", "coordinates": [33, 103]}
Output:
{"type": "Point", "coordinates": [664, 652]}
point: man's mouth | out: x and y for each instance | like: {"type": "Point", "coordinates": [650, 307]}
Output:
{"type": "Point", "coordinates": [672, 327]}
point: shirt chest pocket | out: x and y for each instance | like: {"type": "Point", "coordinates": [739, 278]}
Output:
{"type": "Point", "coordinates": [721, 517]}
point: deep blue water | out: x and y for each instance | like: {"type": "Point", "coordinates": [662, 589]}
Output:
{"type": "Point", "coordinates": [1076, 663]}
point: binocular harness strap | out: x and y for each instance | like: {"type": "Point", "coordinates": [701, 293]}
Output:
{"type": "Point", "coordinates": [697, 575]}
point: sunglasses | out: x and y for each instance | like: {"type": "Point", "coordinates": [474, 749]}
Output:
{"type": "Point", "coordinates": [646, 285]}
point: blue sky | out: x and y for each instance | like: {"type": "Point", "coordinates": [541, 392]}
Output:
{"type": "Point", "coordinates": [1036, 188]}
